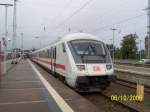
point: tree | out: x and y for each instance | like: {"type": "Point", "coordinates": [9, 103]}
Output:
{"type": "Point", "coordinates": [110, 48]}
{"type": "Point", "coordinates": [128, 46]}
{"type": "Point", "coordinates": [116, 51]}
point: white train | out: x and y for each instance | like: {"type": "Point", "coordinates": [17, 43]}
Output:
{"type": "Point", "coordinates": [81, 60]}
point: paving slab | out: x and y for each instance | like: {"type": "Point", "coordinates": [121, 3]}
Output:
{"type": "Point", "coordinates": [22, 91]}
{"type": "Point", "coordinates": [73, 99]}
{"type": "Point", "coordinates": [25, 107]}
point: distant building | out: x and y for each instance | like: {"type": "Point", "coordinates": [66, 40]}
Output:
{"type": "Point", "coordinates": [146, 47]}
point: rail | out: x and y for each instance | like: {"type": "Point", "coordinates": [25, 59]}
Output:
{"type": "Point", "coordinates": [133, 64]}
{"type": "Point", "coordinates": [144, 74]}
{"type": "Point", "coordinates": [134, 77]}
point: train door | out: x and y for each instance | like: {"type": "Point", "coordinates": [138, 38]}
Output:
{"type": "Point", "coordinates": [54, 52]}
{"type": "Point", "coordinates": [53, 60]}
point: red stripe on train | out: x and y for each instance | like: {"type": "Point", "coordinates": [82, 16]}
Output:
{"type": "Point", "coordinates": [61, 66]}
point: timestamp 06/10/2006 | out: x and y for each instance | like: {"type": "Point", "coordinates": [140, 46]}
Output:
{"type": "Point", "coordinates": [126, 98]}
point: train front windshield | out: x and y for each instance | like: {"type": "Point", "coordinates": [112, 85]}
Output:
{"type": "Point", "coordinates": [89, 51]}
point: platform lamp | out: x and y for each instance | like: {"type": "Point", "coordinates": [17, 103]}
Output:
{"type": "Point", "coordinates": [9, 40]}
{"type": "Point", "coordinates": [8, 45]}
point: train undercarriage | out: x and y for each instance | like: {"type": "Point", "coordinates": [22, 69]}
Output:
{"type": "Point", "coordinates": [93, 83]}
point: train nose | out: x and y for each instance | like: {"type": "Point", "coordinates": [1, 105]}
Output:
{"type": "Point", "coordinates": [81, 67]}
{"type": "Point", "coordinates": [109, 66]}
{"type": "Point", "coordinates": [95, 69]}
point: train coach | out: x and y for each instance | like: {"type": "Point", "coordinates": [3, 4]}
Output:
{"type": "Point", "coordinates": [81, 60]}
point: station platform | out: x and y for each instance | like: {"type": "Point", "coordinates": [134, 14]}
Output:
{"type": "Point", "coordinates": [28, 88]}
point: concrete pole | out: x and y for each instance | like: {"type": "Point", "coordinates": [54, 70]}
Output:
{"type": "Point", "coordinates": [148, 30]}
{"type": "Point", "coordinates": [140, 49]}
{"type": "Point", "coordinates": [5, 39]}
{"type": "Point", "coordinates": [113, 29]}
{"type": "Point", "coordinates": [110, 45]}
{"type": "Point", "coordinates": [22, 45]}
{"type": "Point", "coordinates": [14, 35]}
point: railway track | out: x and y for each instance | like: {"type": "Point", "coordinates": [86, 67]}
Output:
{"type": "Point", "coordinates": [131, 85]}
{"type": "Point", "coordinates": [133, 74]}
{"type": "Point", "coordinates": [103, 99]}
{"type": "Point", "coordinates": [134, 78]}
{"type": "Point", "coordinates": [103, 102]}
{"type": "Point", "coordinates": [133, 64]}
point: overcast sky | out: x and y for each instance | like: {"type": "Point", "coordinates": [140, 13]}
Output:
{"type": "Point", "coordinates": [57, 16]}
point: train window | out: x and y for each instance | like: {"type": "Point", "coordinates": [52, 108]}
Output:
{"type": "Point", "coordinates": [51, 53]}
{"type": "Point", "coordinates": [47, 53]}
{"type": "Point", "coordinates": [63, 47]}
{"type": "Point", "coordinates": [55, 53]}
{"type": "Point", "coordinates": [88, 48]}
{"type": "Point", "coordinates": [40, 54]}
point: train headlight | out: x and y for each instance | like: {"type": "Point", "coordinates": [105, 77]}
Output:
{"type": "Point", "coordinates": [81, 67]}
{"type": "Point", "coordinates": [109, 66]}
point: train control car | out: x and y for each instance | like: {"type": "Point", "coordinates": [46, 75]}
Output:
{"type": "Point", "coordinates": [80, 60]}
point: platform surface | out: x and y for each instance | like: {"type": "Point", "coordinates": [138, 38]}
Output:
{"type": "Point", "coordinates": [28, 88]}
{"type": "Point", "coordinates": [21, 91]}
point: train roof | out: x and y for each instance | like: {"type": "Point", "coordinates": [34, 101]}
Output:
{"type": "Point", "coordinates": [70, 37]}
{"type": "Point", "coordinates": [75, 36]}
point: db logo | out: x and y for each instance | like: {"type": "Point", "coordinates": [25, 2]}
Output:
{"type": "Point", "coordinates": [96, 68]}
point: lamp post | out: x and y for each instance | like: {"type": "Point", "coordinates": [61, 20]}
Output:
{"type": "Point", "coordinates": [110, 40]}
{"type": "Point", "coordinates": [37, 37]}
{"type": "Point", "coordinates": [113, 29]}
{"type": "Point", "coordinates": [8, 48]}
{"type": "Point", "coordinates": [5, 38]}
{"type": "Point", "coordinates": [140, 49]}
{"type": "Point", "coordinates": [9, 40]}
{"type": "Point", "coordinates": [22, 47]}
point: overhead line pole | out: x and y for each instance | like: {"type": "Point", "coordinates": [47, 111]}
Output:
{"type": "Point", "coordinates": [5, 46]}
{"type": "Point", "coordinates": [22, 47]}
{"type": "Point", "coordinates": [14, 34]}
{"type": "Point", "coordinates": [148, 30]}
{"type": "Point", "coordinates": [5, 38]}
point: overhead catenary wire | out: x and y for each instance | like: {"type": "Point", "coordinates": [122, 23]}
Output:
{"type": "Point", "coordinates": [86, 4]}
{"type": "Point", "coordinates": [60, 13]}
{"type": "Point", "coordinates": [98, 29]}
{"type": "Point", "coordinates": [119, 22]}
{"type": "Point", "coordinates": [74, 13]}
